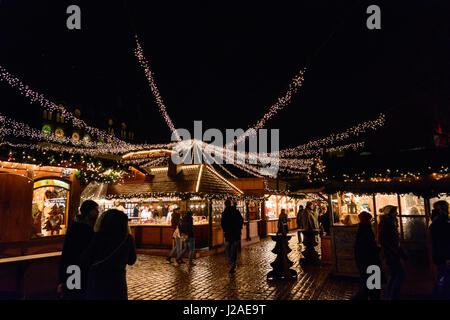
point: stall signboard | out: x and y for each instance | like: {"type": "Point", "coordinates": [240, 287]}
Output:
{"type": "Point", "coordinates": [51, 182]}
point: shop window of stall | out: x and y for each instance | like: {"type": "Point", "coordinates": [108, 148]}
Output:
{"type": "Point", "coordinates": [129, 208]}
{"type": "Point", "coordinates": [288, 204]}
{"type": "Point", "coordinates": [414, 229]}
{"type": "Point", "coordinates": [412, 213]}
{"type": "Point", "coordinates": [240, 205]}
{"type": "Point", "coordinates": [382, 200]}
{"type": "Point", "coordinates": [217, 207]}
{"type": "Point", "coordinates": [349, 205]}
{"type": "Point", "coordinates": [254, 210]}
{"type": "Point", "coordinates": [271, 206]}
{"type": "Point", "coordinates": [50, 207]}
{"type": "Point", "coordinates": [412, 225]}
{"type": "Point", "coordinates": [199, 211]}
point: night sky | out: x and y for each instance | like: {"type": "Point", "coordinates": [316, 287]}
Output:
{"type": "Point", "coordinates": [227, 63]}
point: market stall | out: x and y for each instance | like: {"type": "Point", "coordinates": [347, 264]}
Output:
{"type": "Point", "coordinates": [414, 201]}
{"type": "Point", "coordinates": [150, 196]}
{"type": "Point", "coordinates": [37, 204]}
{"type": "Point", "coordinates": [275, 196]}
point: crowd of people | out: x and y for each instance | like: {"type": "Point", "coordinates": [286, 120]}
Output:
{"type": "Point", "coordinates": [102, 246]}
{"type": "Point", "coordinates": [312, 220]}
{"type": "Point", "coordinates": [389, 253]}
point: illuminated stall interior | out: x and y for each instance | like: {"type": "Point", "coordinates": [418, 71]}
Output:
{"type": "Point", "coordinates": [44, 199]}
{"type": "Point", "coordinates": [347, 206]}
{"type": "Point", "coordinates": [50, 207]}
{"type": "Point", "coordinates": [152, 193]}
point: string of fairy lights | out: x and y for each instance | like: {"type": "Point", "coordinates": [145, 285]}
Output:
{"type": "Point", "coordinates": [354, 131]}
{"type": "Point", "coordinates": [291, 160]}
{"type": "Point", "coordinates": [10, 127]}
{"type": "Point", "coordinates": [283, 101]}
{"type": "Point", "coordinates": [139, 53]}
{"type": "Point", "coordinates": [40, 99]}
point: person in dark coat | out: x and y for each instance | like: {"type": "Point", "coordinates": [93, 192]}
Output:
{"type": "Point", "coordinates": [283, 223]}
{"type": "Point", "coordinates": [310, 224]}
{"type": "Point", "coordinates": [79, 234]}
{"type": "Point", "coordinates": [367, 253]}
{"type": "Point", "coordinates": [111, 249]}
{"type": "Point", "coordinates": [392, 252]}
{"type": "Point", "coordinates": [136, 211]}
{"type": "Point", "coordinates": [232, 223]}
{"type": "Point", "coordinates": [324, 220]}
{"type": "Point", "coordinates": [300, 224]}
{"type": "Point", "coordinates": [440, 239]}
{"type": "Point", "coordinates": [187, 229]}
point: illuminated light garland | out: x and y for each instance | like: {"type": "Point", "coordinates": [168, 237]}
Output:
{"type": "Point", "coordinates": [333, 138]}
{"type": "Point", "coordinates": [252, 172]}
{"type": "Point", "coordinates": [183, 196]}
{"type": "Point", "coordinates": [318, 152]}
{"type": "Point", "coordinates": [154, 163]}
{"type": "Point", "coordinates": [89, 168]}
{"type": "Point", "coordinates": [139, 53]}
{"type": "Point", "coordinates": [228, 158]}
{"type": "Point", "coordinates": [294, 166]}
{"type": "Point", "coordinates": [227, 171]}
{"type": "Point", "coordinates": [295, 83]}
{"type": "Point", "coordinates": [10, 127]}
{"type": "Point", "coordinates": [35, 97]}
{"type": "Point", "coordinates": [354, 146]}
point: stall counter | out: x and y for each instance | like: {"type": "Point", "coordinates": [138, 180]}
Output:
{"type": "Point", "coordinates": [272, 224]}
{"type": "Point", "coordinates": [160, 235]}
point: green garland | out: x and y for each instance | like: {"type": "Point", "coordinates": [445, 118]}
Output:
{"type": "Point", "coordinates": [90, 168]}
{"type": "Point", "coordinates": [106, 177]}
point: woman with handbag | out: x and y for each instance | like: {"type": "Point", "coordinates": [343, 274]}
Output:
{"type": "Point", "coordinates": [106, 257]}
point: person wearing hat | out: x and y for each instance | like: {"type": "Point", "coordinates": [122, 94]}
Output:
{"type": "Point", "coordinates": [366, 254]}
{"type": "Point", "coordinates": [392, 252]}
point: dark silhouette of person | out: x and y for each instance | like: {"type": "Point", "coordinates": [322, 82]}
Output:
{"type": "Point", "coordinates": [79, 234]}
{"type": "Point", "coordinates": [282, 223]}
{"type": "Point", "coordinates": [392, 252]}
{"type": "Point", "coordinates": [187, 228]}
{"type": "Point", "coordinates": [111, 249]}
{"type": "Point", "coordinates": [136, 211]}
{"type": "Point", "coordinates": [324, 219]}
{"type": "Point", "coordinates": [367, 253]}
{"type": "Point", "coordinates": [440, 239]}
{"type": "Point", "coordinates": [300, 225]}
{"type": "Point", "coordinates": [232, 223]}
{"type": "Point", "coordinates": [176, 221]}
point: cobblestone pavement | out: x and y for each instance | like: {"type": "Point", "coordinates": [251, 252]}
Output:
{"type": "Point", "coordinates": [152, 278]}
{"type": "Point", "coordinates": [339, 288]}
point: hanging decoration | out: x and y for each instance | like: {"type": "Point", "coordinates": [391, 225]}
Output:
{"type": "Point", "coordinates": [139, 53]}
{"type": "Point", "coordinates": [36, 97]}
{"type": "Point", "coordinates": [333, 138]}
{"type": "Point", "coordinates": [283, 101]}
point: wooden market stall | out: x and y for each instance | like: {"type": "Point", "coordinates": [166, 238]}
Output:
{"type": "Point", "coordinates": [414, 199]}
{"type": "Point", "coordinates": [150, 196]}
{"type": "Point", "coordinates": [274, 196]}
{"type": "Point", "coordinates": [36, 204]}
